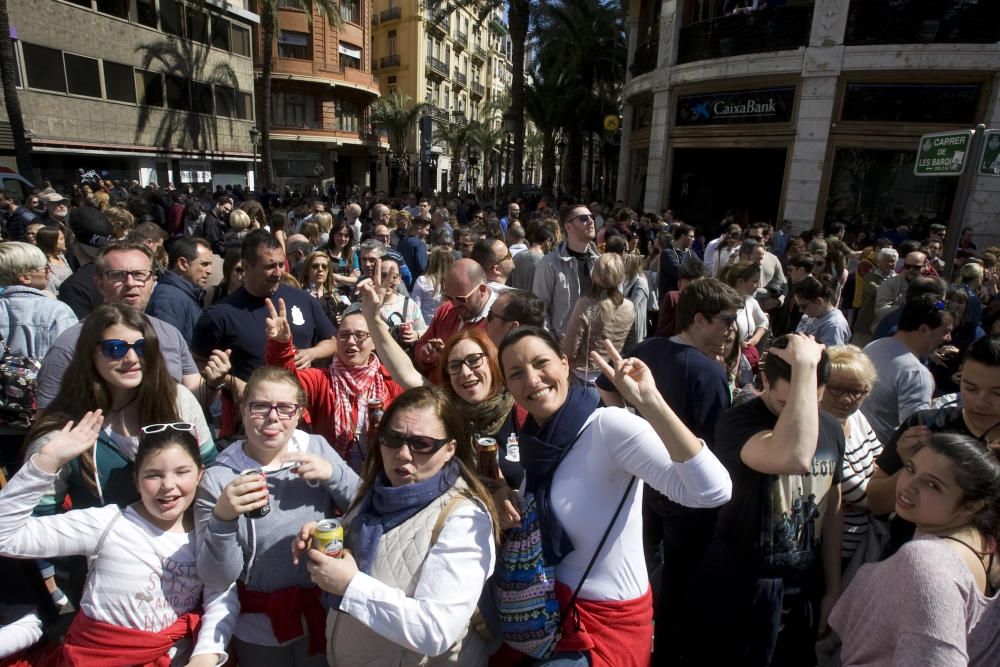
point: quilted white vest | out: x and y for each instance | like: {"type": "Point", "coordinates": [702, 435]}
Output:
{"type": "Point", "coordinates": [400, 558]}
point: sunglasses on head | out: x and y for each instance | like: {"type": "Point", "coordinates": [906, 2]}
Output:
{"type": "Point", "coordinates": [116, 348]}
{"type": "Point", "coordinates": [418, 444]}
{"type": "Point", "coordinates": [183, 427]}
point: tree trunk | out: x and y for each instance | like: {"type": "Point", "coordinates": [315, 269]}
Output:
{"type": "Point", "coordinates": [548, 163]}
{"type": "Point", "coordinates": [591, 163]}
{"type": "Point", "coordinates": [573, 160]}
{"type": "Point", "coordinates": [268, 26]}
{"type": "Point", "coordinates": [22, 151]}
{"type": "Point", "coordinates": [517, 18]}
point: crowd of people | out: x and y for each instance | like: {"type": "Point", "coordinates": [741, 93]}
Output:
{"type": "Point", "coordinates": [552, 434]}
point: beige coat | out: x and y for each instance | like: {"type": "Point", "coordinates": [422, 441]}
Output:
{"type": "Point", "coordinates": [589, 325]}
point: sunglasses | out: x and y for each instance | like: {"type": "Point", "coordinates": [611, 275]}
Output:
{"type": "Point", "coordinates": [116, 348]}
{"type": "Point", "coordinates": [463, 299]}
{"type": "Point", "coordinates": [183, 427]}
{"type": "Point", "coordinates": [585, 217]}
{"type": "Point", "coordinates": [730, 320]}
{"type": "Point", "coordinates": [418, 444]}
{"type": "Point", "coordinates": [263, 409]}
{"type": "Point", "coordinates": [473, 361]}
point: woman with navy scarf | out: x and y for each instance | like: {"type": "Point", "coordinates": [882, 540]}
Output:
{"type": "Point", "coordinates": [421, 542]}
{"type": "Point", "coordinates": [579, 463]}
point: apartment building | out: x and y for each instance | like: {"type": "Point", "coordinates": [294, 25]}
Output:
{"type": "Point", "coordinates": [155, 90]}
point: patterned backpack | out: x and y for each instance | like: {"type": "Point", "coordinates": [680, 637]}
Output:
{"type": "Point", "coordinates": [18, 387]}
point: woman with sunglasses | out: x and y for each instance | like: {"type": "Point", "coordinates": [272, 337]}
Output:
{"type": "Point", "coordinates": [580, 461]}
{"type": "Point", "coordinates": [298, 478]}
{"type": "Point", "coordinates": [421, 542]}
{"type": "Point", "coordinates": [338, 397]}
{"type": "Point", "coordinates": [474, 383]}
{"type": "Point", "coordinates": [316, 276]}
{"type": "Point", "coordinates": [142, 599]}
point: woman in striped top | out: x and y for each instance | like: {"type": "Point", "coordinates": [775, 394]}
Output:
{"type": "Point", "coordinates": [851, 378]}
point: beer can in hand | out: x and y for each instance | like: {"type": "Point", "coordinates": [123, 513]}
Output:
{"type": "Point", "coordinates": [486, 454]}
{"type": "Point", "coordinates": [329, 538]}
{"type": "Point", "coordinates": [260, 511]}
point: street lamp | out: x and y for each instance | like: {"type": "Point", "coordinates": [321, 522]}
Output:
{"type": "Point", "coordinates": [560, 146]}
{"type": "Point", "coordinates": [254, 137]}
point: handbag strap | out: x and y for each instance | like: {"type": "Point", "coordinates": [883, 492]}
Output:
{"type": "Point", "coordinates": [571, 606]}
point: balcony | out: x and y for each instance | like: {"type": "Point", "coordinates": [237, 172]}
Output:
{"type": "Point", "coordinates": [922, 22]}
{"type": "Point", "coordinates": [461, 81]}
{"type": "Point", "coordinates": [477, 90]}
{"type": "Point", "coordinates": [777, 29]}
{"type": "Point", "coordinates": [389, 61]}
{"type": "Point", "coordinates": [478, 53]}
{"type": "Point", "coordinates": [461, 40]}
{"type": "Point", "coordinates": [645, 57]}
{"type": "Point", "coordinates": [391, 14]}
{"type": "Point", "coordinates": [295, 124]}
{"type": "Point", "coordinates": [436, 68]}
{"type": "Point", "coordinates": [438, 23]}
{"type": "Point", "coordinates": [437, 113]}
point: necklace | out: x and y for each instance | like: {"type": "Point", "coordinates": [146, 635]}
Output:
{"type": "Point", "coordinates": [129, 402]}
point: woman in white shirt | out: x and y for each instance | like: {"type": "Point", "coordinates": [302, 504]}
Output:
{"type": "Point", "coordinates": [751, 320]}
{"type": "Point", "coordinates": [428, 289]}
{"type": "Point", "coordinates": [399, 310]}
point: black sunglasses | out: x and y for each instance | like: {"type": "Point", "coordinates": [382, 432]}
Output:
{"type": "Point", "coordinates": [115, 348]}
{"type": "Point", "coordinates": [418, 444]}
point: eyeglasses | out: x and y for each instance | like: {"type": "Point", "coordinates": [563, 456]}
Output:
{"type": "Point", "coordinates": [418, 444]}
{"type": "Point", "coordinates": [183, 427]}
{"type": "Point", "coordinates": [849, 393]}
{"type": "Point", "coordinates": [116, 348]}
{"type": "Point", "coordinates": [506, 257]}
{"type": "Point", "coordinates": [358, 336]}
{"type": "Point", "coordinates": [730, 320]}
{"type": "Point", "coordinates": [492, 315]}
{"type": "Point", "coordinates": [116, 276]}
{"type": "Point", "coordinates": [473, 361]}
{"type": "Point", "coordinates": [263, 409]}
{"type": "Point", "coordinates": [47, 269]}
{"type": "Point", "coordinates": [463, 299]}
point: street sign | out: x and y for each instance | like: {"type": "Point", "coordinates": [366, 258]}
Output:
{"type": "Point", "coordinates": [989, 162]}
{"type": "Point", "coordinates": [611, 123]}
{"type": "Point", "coordinates": [943, 153]}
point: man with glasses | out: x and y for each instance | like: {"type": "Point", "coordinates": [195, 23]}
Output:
{"type": "Point", "coordinates": [494, 257]}
{"type": "Point", "coordinates": [124, 275]}
{"type": "Point", "coordinates": [467, 303]}
{"type": "Point", "coordinates": [382, 234]}
{"type": "Point", "coordinates": [892, 292]}
{"type": "Point", "coordinates": [673, 256]}
{"type": "Point", "coordinates": [511, 309]}
{"type": "Point", "coordinates": [688, 373]}
{"type": "Point", "coordinates": [564, 274]}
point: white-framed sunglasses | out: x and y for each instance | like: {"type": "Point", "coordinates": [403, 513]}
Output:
{"type": "Point", "coordinates": [183, 427]}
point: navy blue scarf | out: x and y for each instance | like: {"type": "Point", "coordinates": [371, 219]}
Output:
{"type": "Point", "coordinates": [542, 448]}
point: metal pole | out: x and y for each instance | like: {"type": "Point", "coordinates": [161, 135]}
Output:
{"type": "Point", "coordinates": [962, 200]}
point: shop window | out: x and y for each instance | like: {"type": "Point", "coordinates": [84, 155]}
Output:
{"type": "Point", "coordinates": [150, 88]}
{"type": "Point", "coordinates": [145, 13]}
{"type": "Point", "coordinates": [294, 45]}
{"type": "Point", "coordinates": [911, 103]}
{"type": "Point", "coordinates": [118, 8]}
{"type": "Point", "coordinates": [350, 55]}
{"type": "Point", "coordinates": [201, 98]}
{"type": "Point", "coordinates": [83, 75]}
{"type": "Point", "coordinates": [178, 94]}
{"type": "Point", "coordinates": [225, 101]}
{"type": "Point", "coordinates": [244, 106]}
{"type": "Point", "coordinates": [241, 41]}
{"type": "Point", "coordinates": [172, 18]}
{"type": "Point", "coordinates": [350, 11]}
{"type": "Point", "coordinates": [197, 26]}
{"type": "Point", "coordinates": [220, 33]}
{"type": "Point", "coordinates": [119, 84]}
{"type": "Point", "coordinates": [44, 68]}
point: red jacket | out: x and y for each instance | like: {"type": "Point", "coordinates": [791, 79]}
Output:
{"type": "Point", "coordinates": [445, 324]}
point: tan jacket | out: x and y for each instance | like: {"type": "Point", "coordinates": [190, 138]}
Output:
{"type": "Point", "coordinates": [587, 328]}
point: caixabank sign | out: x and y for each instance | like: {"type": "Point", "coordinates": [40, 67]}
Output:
{"type": "Point", "coordinates": [766, 105]}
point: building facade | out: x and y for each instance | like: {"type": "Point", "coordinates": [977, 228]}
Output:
{"type": "Point", "coordinates": [456, 63]}
{"type": "Point", "coordinates": [153, 90]}
{"type": "Point", "coordinates": [809, 112]}
{"type": "Point", "coordinates": [322, 87]}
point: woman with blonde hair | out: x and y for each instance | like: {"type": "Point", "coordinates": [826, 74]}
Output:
{"type": "Point", "coordinates": [122, 222]}
{"type": "Point", "coordinates": [428, 289]}
{"type": "Point", "coordinates": [604, 313]}
{"type": "Point", "coordinates": [316, 277]}
{"type": "Point", "coordinates": [636, 290]}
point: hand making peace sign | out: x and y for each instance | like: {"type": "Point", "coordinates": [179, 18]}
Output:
{"type": "Point", "coordinates": [276, 326]}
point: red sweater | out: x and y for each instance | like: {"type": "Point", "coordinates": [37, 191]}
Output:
{"type": "Point", "coordinates": [445, 323]}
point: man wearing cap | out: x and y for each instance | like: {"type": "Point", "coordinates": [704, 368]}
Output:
{"type": "Point", "coordinates": [56, 209]}
{"type": "Point", "coordinates": [92, 231]}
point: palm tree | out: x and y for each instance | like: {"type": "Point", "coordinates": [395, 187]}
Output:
{"type": "Point", "coordinates": [397, 114]}
{"type": "Point", "coordinates": [454, 136]}
{"type": "Point", "coordinates": [268, 10]}
{"type": "Point", "coordinates": [546, 106]}
{"type": "Point", "coordinates": [8, 78]}
{"type": "Point", "coordinates": [486, 140]}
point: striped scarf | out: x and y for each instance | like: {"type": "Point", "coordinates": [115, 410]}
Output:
{"type": "Point", "coordinates": [352, 387]}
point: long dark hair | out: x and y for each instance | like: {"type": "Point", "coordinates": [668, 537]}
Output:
{"type": "Point", "coordinates": [347, 254]}
{"type": "Point", "coordinates": [977, 471]}
{"type": "Point", "coordinates": [84, 390]}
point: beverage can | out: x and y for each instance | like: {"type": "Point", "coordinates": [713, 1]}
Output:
{"type": "Point", "coordinates": [486, 454]}
{"type": "Point", "coordinates": [376, 410]}
{"type": "Point", "coordinates": [260, 511]}
{"type": "Point", "coordinates": [329, 538]}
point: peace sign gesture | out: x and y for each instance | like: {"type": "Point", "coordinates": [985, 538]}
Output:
{"type": "Point", "coordinates": [276, 325]}
{"type": "Point", "coordinates": [631, 377]}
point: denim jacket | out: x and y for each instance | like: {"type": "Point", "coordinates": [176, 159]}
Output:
{"type": "Point", "coordinates": [31, 320]}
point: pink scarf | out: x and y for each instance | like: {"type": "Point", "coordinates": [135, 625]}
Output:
{"type": "Point", "coordinates": [352, 386]}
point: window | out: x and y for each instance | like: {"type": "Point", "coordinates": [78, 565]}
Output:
{"type": "Point", "coordinates": [171, 20]}
{"type": "Point", "coordinates": [348, 116]}
{"type": "Point", "coordinates": [201, 98]}
{"type": "Point", "coordinates": [350, 11]}
{"type": "Point", "coordinates": [117, 8]}
{"type": "Point", "coordinates": [244, 106]}
{"type": "Point", "coordinates": [350, 55]}
{"type": "Point", "coordinates": [150, 87]}
{"type": "Point", "coordinates": [225, 101]}
{"type": "Point", "coordinates": [294, 110]}
{"type": "Point", "coordinates": [44, 68]}
{"type": "Point", "coordinates": [83, 75]}
{"type": "Point", "coordinates": [197, 26]}
{"type": "Point", "coordinates": [393, 43]}
{"type": "Point", "coordinates": [145, 13]}
{"type": "Point", "coordinates": [392, 80]}
{"type": "Point", "coordinates": [294, 45]}
{"type": "Point", "coordinates": [17, 64]}
{"type": "Point", "coordinates": [220, 33]}
{"type": "Point", "coordinates": [178, 95]}
{"type": "Point", "coordinates": [241, 40]}
{"type": "Point", "coordinates": [908, 103]}
{"type": "Point", "coordinates": [119, 84]}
